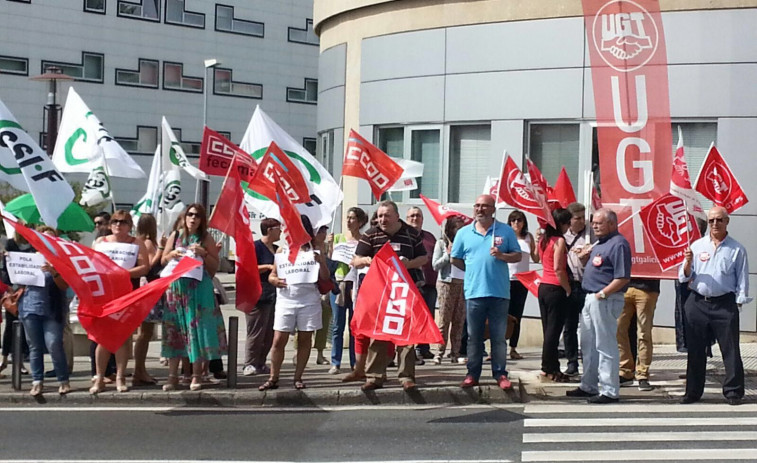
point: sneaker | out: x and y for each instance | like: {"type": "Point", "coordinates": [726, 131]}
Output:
{"type": "Point", "coordinates": [438, 360]}
{"type": "Point", "coordinates": [578, 392]}
{"type": "Point", "coordinates": [334, 370]}
{"type": "Point", "coordinates": [504, 383]}
{"type": "Point", "coordinates": [625, 382]}
{"type": "Point", "coordinates": [249, 370]}
{"type": "Point", "coordinates": [644, 385]}
{"type": "Point", "coordinates": [462, 360]}
{"type": "Point", "coordinates": [469, 381]}
{"type": "Point", "coordinates": [602, 399]}
{"type": "Point", "coordinates": [36, 388]}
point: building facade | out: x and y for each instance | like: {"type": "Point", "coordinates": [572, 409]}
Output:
{"type": "Point", "coordinates": [135, 61]}
{"type": "Point", "coordinates": [453, 84]}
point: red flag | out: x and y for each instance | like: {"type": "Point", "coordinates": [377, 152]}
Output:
{"type": "Point", "coordinates": [530, 280]}
{"type": "Point", "coordinates": [718, 184]}
{"type": "Point", "coordinates": [539, 184]}
{"type": "Point", "coordinates": [680, 183]}
{"type": "Point", "coordinates": [516, 191]}
{"type": "Point", "coordinates": [670, 229]}
{"type": "Point", "coordinates": [120, 317]}
{"type": "Point", "coordinates": [247, 276]}
{"type": "Point", "coordinates": [275, 163]}
{"type": "Point", "coordinates": [109, 309]}
{"type": "Point", "coordinates": [217, 153]}
{"type": "Point", "coordinates": [563, 191]}
{"type": "Point", "coordinates": [3, 288]}
{"type": "Point", "coordinates": [363, 160]}
{"type": "Point", "coordinates": [440, 213]}
{"type": "Point", "coordinates": [389, 306]}
{"type": "Point", "coordinates": [596, 200]}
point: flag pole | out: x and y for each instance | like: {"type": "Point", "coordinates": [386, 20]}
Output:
{"type": "Point", "coordinates": [588, 188]}
{"type": "Point", "coordinates": [333, 216]}
{"type": "Point", "coordinates": [499, 191]}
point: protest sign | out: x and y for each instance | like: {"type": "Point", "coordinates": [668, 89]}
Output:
{"type": "Point", "coordinates": [24, 268]}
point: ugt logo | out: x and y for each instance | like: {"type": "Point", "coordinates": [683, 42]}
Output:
{"type": "Point", "coordinates": [625, 35]}
{"type": "Point", "coordinates": [671, 223]}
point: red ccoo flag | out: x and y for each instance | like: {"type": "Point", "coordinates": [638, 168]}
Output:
{"type": "Point", "coordinates": [231, 202]}
{"type": "Point", "coordinates": [563, 191]}
{"type": "Point", "coordinates": [363, 160]}
{"type": "Point", "coordinates": [218, 152]}
{"type": "Point", "coordinates": [275, 163]}
{"type": "Point", "coordinates": [530, 280]}
{"type": "Point", "coordinates": [294, 231]}
{"type": "Point", "coordinates": [718, 184]}
{"type": "Point", "coordinates": [516, 191]}
{"type": "Point", "coordinates": [389, 306]}
{"type": "Point", "coordinates": [441, 213]}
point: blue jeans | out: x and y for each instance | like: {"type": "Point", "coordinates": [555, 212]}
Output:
{"type": "Point", "coordinates": [479, 310]}
{"type": "Point", "coordinates": [599, 344]}
{"type": "Point", "coordinates": [339, 320]}
{"type": "Point", "coordinates": [44, 332]}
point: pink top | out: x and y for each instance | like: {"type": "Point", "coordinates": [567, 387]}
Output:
{"type": "Point", "coordinates": [548, 260]}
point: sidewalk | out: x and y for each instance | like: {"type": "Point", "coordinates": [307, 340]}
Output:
{"type": "Point", "coordinates": [437, 384]}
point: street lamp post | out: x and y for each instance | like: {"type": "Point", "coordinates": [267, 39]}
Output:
{"type": "Point", "coordinates": [201, 191]}
{"type": "Point", "coordinates": [52, 75]}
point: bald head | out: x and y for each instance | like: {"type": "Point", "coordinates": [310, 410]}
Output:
{"type": "Point", "coordinates": [718, 219]}
{"type": "Point", "coordinates": [483, 210]}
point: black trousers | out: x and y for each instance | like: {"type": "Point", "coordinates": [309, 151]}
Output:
{"type": "Point", "coordinates": [552, 302]}
{"type": "Point", "coordinates": [518, 295]}
{"type": "Point", "coordinates": [573, 307]}
{"type": "Point", "coordinates": [721, 317]}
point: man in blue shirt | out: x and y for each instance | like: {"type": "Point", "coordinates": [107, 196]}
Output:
{"type": "Point", "coordinates": [606, 277]}
{"type": "Point", "coordinates": [717, 273]}
{"type": "Point", "coordinates": [483, 249]}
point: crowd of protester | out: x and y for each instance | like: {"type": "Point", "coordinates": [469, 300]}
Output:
{"type": "Point", "coordinates": [467, 278]}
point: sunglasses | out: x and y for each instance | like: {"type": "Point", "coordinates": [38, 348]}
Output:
{"type": "Point", "coordinates": [716, 220]}
{"type": "Point", "coordinates": [119, 222]}
{"type": "Point", "coordinates": [516, 220]}
{"type": "Point", "coordinates": [193, 214]}
{"type": "Point", "coordinates": [100, 222]}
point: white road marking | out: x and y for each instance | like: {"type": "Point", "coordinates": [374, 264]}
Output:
{"type": "Point", "coordinates": [645, 422]}
{"type": "Point", "coordinates": [248, 461]}
{"type": "Point", "coordinates": [627, 437]}
{"type": "Point", "coordinates": [636, 407]}
{"type": "Point", "coordinates": [642, 455]}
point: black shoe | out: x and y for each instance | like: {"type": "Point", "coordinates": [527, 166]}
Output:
{"type": "Point", "coordinates": [602, 399]}
{"type": "Point", "coordinates": [644, 385]}
{"type": "Point", "coordinates": [733, 400]}
{"type": "Point", "coordinates": [220, 375]}
{"type": "Point", "coordinates": [392, 364]}
{"type": "Point", "coordinates": [578, 392]}
{"type": "Point", "coordinates": [50, 374]}
{"type": "Point", "coordinates": [572, 370]}
{"type": "Point", "coordinates": [688, 400]}
{"type": "Point", "coordinates": [426, 355]}
{"type": "Point", "coordinates": [625, 382]}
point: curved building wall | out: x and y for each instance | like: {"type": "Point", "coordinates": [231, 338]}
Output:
{"type": "Point", "coordinates": [455, 83]}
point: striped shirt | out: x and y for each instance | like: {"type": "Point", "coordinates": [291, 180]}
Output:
{"type": "Point", "coordinates": [406, 242]}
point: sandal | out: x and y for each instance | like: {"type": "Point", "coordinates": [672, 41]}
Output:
{"type": "Point", "coordinates": [269, 384]}
{"type": "Point", "coordinates": [98, 386]}
{"type": "Point", "coordinates": [299, 385]}
{"type": "Point", "coordinates": [196, 384]}
{"type": "Point", "coordinates": [121, 384]}
{"type": "Point", "coordinates": [171, 383]}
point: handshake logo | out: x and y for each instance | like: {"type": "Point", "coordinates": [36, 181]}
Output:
{"type": "Point", "coordinates": [625, 35]}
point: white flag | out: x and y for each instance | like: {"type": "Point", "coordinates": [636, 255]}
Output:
{"type": "Point", "coordinates": [324, 191]}
{"type": "Point", "coordinates": [411, 171]}
{"type": "Point", "coordinates": [26, 167]}
{"type": "Point", "coordinates": [173, 154]}
{"type": "Point", "coordinates": [680, 182]}
{"type": "Point", "coordinates": [149, 203]}
{"type": "Point", "coordinates": [97, 189]}
{"type": "Point", "coordinates": [84, 144]}
{"type": "Point", "coordinates": [170, 205]}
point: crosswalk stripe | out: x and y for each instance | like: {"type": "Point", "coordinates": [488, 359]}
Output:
{"type": "Point", "coordinates": [641, 455]}
{"type": "Point", "coordinates": [646, 422]}
{"type": "Point", "coordinates": [565, 437]}
{"type": "Point", "coordinates": [636, 407]}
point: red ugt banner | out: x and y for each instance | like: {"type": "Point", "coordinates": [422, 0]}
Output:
{"type": "Point", "coordinates": [363, 160]}
{"type": "Point", "coordinates": [718, 184]}
{"type": "Point", "coordinates": [217, 153]}
{"type": "Point", "coordinates": [389, 306]}
{"type": "Point", "coordinates": [630, 79]}
{"type": "Point", "coordinates": [247, 277]}
{"type": "Point", "coordinates": [670, 228]}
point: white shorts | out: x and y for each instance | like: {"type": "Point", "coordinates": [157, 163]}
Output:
{"type": "Point", "coordinates": [301, 318]}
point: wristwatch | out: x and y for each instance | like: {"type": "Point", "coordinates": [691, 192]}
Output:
{"type": "Point", "coordinates": [602, 295]}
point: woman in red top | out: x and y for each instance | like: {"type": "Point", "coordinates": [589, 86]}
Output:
{"type": "Point", "coordinates": [554, 290]}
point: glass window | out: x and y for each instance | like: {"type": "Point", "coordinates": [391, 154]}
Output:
{"type": "Point", "coordinates": [146, 76]}
{"type": "Point", "coordinates": [175, 14]}
{"type": "Point", "coordinates": [145, 142]}
{"type": "Point", "coordinates": [223, 84]}
{"type": "Point", "coordinates": [391, 140]}
{"type": "Point", "coordinates": [174, 79]}
{"type": "Point", "coordinates": [310, 144]}
{"type": "Point", "coordinates": [326, 150]}
{"type": "Point", "coordinates": [306, 35]}
{"type": "Point", "coordinates": [94, 6]}
{"type": "Point", "coordinates": [146, 9]}
{"type": "Point", "coordinates": [552, 146]}
{"type": "Point", "coordinates": [226, 22]}
{"type": "Point", "coordinates": [308, 94]}
{"type": "Point", "coordinates": [12, 65]}
{"type": "Point", "coordinates": [425, 147]}
{"type": "Point", "coordinates": [91, 68]}
{"type": "Point", "coordinates": [469, 162]}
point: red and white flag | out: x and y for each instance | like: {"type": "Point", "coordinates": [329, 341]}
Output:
{"type": "Point", "coordinates": [539, 184]}
{"type": "Point", "coordinates": [275, 164]}
{"type": "Point", "coordinates": [218, 152]}
{"type": "Point", "coordinates": [680, 182]}
{"type": "Point", "coordinates": [109, 310]}
{"type": "Point", "coordinates": [442, 213]}
{"type": "Point", "coordinates": [363, 160]}
{"type": "Point", "coordinates": [389, 306]}
{"type": "Point", "coordinates": [717, 183]}
{"type": "Point", "coordinates": [596, 200]}
{"type": "Point", "coordinates": [530, 280]}
{"type": "Point", "coordinates": [231, 217]}
{"type": "Point", "coordinates": [670, 229]}
{"type": "Point", "coordinates": [515, 190]}
{"type": "Point", "coordinates": [563, 191]}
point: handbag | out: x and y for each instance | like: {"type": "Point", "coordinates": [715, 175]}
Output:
{"type": "Point", "coordinates": [10, 299]}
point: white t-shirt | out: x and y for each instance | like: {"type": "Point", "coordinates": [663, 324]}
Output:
{"type": "Point", "coordinates": [525, 259]}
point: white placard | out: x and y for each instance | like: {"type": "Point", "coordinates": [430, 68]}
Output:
{"type": "Point", "coordinates": [344, 252]}
{"type": "Point", "coordinates": [304, 270]}
{"type": "Point", "coordinates": [457, 273]}
{"type": "Point", "coordinates": [123, 254]}
{"type": "Point", "coordinates": [24, 268]}
{"type": "Point", "coordinates": [195, 273]}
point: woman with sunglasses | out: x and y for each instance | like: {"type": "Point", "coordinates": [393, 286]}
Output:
{"type": "Point", "coordinates": [192, 322]}
{"type": "Point", "coordinates": [137, 262]}
{"type": "Point", "coordinates": [518, 292]}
